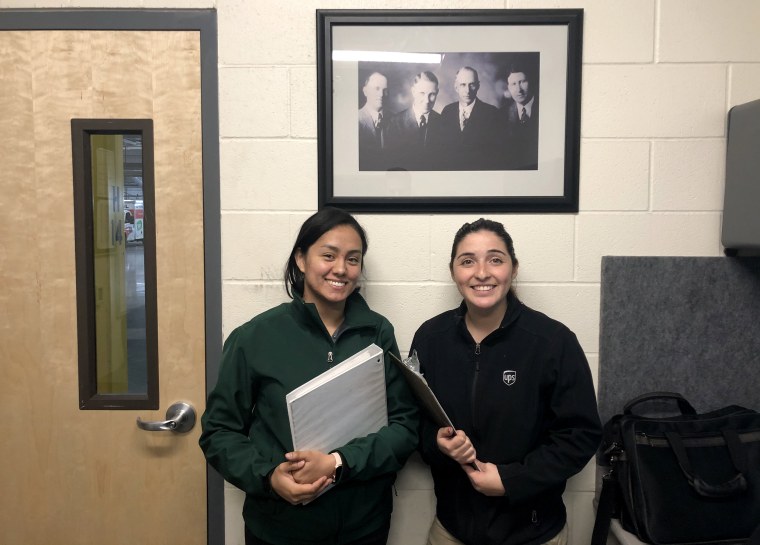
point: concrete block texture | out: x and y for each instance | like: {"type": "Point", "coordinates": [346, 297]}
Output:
{"type": "Point", "coordinates": [407, 306]}
{"type": "Point", "coordinates": [593, 363]}
{"type": "Point", "coordinates": [580, 514]}
{"type": "Point", "coordinates": [688, 174]}
{"type": "Point", "coordinates": [244, 300]}
{"type": "Point", "coordinates": [303, 102]}
{"type": "Point", "coordinates": [641, 234]}
{"type": "Point", "coordinates": [614, 175]}
{"type": "Point", "coordinates": [234, 529]}
{"type": "Point", "coordinates": [266, 33]}
{"type": "Point", "coordinates": [399, 247]}
{"type": "Point", "coordinates": [99, 4]}
{"type": "Point", "coordinates": [744, 82]}
{"type": "Point", "coordinates": [253, 102]}
{"type": "Point", "coordinates": [255, 246]}
{"type": "Point", "coordinates": [283, 32]}
{"type": "Point", "coordinates": [615, 31]}
{"type": "Point", "coordinates": [645, 101]}
{"type": "Point", "coordinates": [708, 31]}
{"type": "Point", "coordinates": [28, 4]}
{"type": "Point", "coordinates": [267, 174]}
{"type": "Point", "coordinates": [575, 305]}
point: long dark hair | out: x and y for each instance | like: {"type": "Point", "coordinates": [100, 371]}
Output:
{"type": "Point", "coordinates": [313, 228]}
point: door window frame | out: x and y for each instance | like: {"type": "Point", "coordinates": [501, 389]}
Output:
{"type": "Point", "coordinates": [84, 226]}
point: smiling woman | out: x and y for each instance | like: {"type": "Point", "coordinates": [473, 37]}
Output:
{"type": "Point", "coordinates": [331, 268]}
{"type": "Point", "coordinates": [246, 433]}
{"type": "Point", "coordinates": [517, 386]}
{"type": "Point", "coordinates": [483, 267]}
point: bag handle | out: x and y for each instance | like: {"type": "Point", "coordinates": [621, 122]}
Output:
{"type": "Point", "coordinates": [683, 405]}
{"type": "Point", "coordinates": [604, 510]}
{"type": "Point", "coordinates": [735, 485]}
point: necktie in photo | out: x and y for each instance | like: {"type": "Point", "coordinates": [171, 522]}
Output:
{"type": "Point", "coordinates": [524, 116]}
{"type": "Point", "coordinates": [379, 128]}
{"type": "Point", "coordinates": [463, 120]}
{"type": "Point", "coordinates": [423, 128]}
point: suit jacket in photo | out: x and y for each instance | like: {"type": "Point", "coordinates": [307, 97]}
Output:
{"type": "Point", "coordinates": [370, 141]}
{"type": "Point", "coordinates": [521, 137]}
{"type": "Point", "coordinates": [473, 148]}
{"type": "Point", "coordinates": [407, 145]}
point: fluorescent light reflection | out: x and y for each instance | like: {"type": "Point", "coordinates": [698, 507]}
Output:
{"type": "Point", "coordinates": [386, 56]}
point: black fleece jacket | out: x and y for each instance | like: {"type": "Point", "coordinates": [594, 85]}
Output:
{"type": "Point", "coordinates": [525, 397]}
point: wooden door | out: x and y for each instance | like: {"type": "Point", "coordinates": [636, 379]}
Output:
{"type": "Point", "coordinates": [71, 476]}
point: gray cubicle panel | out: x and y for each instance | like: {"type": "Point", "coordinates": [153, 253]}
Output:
{"type": "Point", "coordinates": [684, 324]}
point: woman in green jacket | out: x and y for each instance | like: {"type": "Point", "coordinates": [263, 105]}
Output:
{"type": "Point", "coordinates": [246, 432]}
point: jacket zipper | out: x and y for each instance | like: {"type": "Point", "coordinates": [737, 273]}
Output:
{"type": "Point", "coordinates": [473, 392]}
{"type": "Point", "coordinates": [334, 341]}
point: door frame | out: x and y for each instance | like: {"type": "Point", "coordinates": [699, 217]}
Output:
{"type": "Point", "coordinates": [205, 22]}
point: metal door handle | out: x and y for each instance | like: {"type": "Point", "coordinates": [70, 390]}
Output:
{"type": "Point", "coordinates": [180, 418]}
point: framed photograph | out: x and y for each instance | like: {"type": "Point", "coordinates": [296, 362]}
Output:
{"type": "Point", "coordinates": [449, 111]}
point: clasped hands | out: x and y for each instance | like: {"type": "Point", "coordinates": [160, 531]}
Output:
{"type": "Point", "coordinates": [456, 445]}
{"type": "Point", "coordinates": [303, 475]}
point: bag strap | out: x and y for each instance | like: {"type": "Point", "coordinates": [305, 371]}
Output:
{"type": "Point", "coordinates": [735, 485]}
{"type": "Point", "coordinates": [604, 511]}
{"type": "Point", "coordinates": [684, 406]}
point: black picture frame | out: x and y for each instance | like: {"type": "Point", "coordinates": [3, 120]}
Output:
{"type": "Point", "coordinates": [501, 166]}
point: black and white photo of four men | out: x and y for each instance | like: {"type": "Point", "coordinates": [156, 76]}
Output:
{"type": "Point", "coordinates": [468, 133]}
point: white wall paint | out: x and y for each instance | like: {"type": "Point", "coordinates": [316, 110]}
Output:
{"type": "Point", "coordinates": [659, 77]}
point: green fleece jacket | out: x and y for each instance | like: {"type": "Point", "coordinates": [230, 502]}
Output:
{"type": "Point", "coordinates": [246, 432]}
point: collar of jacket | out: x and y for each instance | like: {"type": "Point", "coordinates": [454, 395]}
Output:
{"type": "Point", "coordinates": [357, 312]}
{"type": "Point", "coordinates": [514, 307]}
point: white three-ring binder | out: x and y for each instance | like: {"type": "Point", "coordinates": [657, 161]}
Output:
{"type": "Point", "coordinates": [345, 402]}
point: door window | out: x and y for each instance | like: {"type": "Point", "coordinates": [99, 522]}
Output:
{"type": "Point", "coordinates": [115, 245]}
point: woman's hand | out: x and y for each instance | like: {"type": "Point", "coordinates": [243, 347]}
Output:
{"type": "Point", "coordinates": [456, 445]}
{"type": "Point", "coordinates": [310, 465]}
{"type": "Point", "coordinates": [285, 485]}
{"type": "Point", "coordinates": [487, 481]}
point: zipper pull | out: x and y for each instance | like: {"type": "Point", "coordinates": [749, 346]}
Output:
{"type": "Point", "coordinates": [477, 349]}
{"type": "Point", "coordinates": [329, 357]}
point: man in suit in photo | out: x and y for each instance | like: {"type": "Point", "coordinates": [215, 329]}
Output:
{"type": "Point", "coordinates": [375, 91]}
{"type": "Point", "coordinates": [409, 135]}
{"type": "Point", "coordinates": [469, 127]}
{"type": "Point", "coordinates": [521, 121]}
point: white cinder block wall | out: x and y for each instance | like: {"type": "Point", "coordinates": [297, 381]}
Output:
{"type": "Point", "coordinates": [658, 79]}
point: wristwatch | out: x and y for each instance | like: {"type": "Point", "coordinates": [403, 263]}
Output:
{"type": "Point", "coordinates": [338, 467]}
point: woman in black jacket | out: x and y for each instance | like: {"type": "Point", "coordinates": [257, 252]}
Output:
{"type": "Point", "coordinates": [517, 386]}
